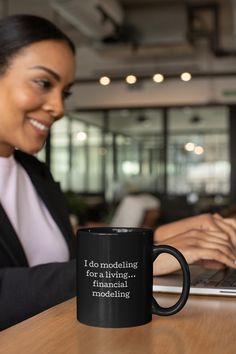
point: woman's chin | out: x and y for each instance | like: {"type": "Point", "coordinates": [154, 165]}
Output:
{"type": "Point", "coordinates": [32, 150]}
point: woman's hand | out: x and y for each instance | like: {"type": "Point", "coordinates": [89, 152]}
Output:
{"type": "Point", "coordinates": [213, 248]}
{"type": "Point", "coordinates": [204, 222]}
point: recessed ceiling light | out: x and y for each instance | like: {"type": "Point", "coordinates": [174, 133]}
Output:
{"type": "Point", "coordinates": [158, 78]}
{"type": "Point", "coordinates": [131, 79]}
{"type": "Point", "coordinates": [81, 136]}
{"type": "Point", "coordinates": [186, 76]}
{"type": "Point", "coordinates": [104, 80]}
{"type": "Point", "coordinates": [189, 146]}
{"type": "Point", "coordinates": [198, 150]}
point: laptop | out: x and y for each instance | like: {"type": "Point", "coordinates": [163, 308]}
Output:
{"type": "Point", "coordinates": [203, 282]}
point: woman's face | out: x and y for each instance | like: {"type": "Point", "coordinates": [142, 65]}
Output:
{"type": "Point", "coordinates": [32, 94]}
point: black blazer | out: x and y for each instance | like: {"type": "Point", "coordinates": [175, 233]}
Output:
{"type": "Point", "coordinates": [26, 291]}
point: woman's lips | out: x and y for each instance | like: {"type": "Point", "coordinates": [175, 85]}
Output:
{"type": "Point", "coordinates": [39, 125]}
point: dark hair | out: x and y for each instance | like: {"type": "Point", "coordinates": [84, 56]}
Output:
{"type": "Point", "coordinates": [19, 31]}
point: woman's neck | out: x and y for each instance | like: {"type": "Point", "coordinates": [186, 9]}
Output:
{"type": "Point", "coordinates": [6, 150]}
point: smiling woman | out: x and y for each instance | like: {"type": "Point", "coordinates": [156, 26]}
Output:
{"type": "Point", "coordinates": [37, 69]}
{"type": "Point", "coordinates": [34, 84]}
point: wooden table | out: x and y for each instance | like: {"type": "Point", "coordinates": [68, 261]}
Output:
{"type": "Point", "coordinates": [207, 325]}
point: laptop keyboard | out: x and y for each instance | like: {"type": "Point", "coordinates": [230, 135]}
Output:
{"type": "Point", "coordinates": [222, 278]}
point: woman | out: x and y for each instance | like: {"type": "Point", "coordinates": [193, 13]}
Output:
{"type": "Point", "coordinates": [37, 270]}
{"type": "Point", "coordinates": [37, 69]}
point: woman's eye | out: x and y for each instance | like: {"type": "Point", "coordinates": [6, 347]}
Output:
{"type": "Point", "coordinates": [66, 94]}
{"type": "Point", "coordinates": [45, 84]}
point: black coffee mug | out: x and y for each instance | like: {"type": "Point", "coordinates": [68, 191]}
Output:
{"type": "Point", "coordinates": [115, 274]}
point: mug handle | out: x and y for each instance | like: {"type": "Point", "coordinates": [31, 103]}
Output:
{"type": "Point", "coordinates": [167, 311]}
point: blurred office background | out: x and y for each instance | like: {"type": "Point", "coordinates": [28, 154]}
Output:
{"type": "Point", "coordinates": [154, 105]}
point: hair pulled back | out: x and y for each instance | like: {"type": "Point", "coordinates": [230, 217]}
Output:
{"type": "Point", "coordinates": [19, 31]}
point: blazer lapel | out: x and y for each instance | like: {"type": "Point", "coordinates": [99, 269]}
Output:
{"type": "Point", "coordinates": [10, 242]}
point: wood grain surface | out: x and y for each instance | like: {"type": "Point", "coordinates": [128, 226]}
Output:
{"type": "Point", "coordinates": [207, 325]}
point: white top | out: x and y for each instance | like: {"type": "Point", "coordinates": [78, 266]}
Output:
{"type": "Point", "coordinates": [38, 233]}
{"type": "Point", "coordinates": [130, 212]}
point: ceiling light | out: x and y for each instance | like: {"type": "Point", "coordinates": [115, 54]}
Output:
{"type": "Point", "coordinates": [104, 80]}
{"type": "Point", "coordinates": [186, 76]}
{"type": "Point", "coordinates": [198, 150]}
{"type": "Point", "coordinates": [81, 136]}
{"type": "Point", "coordinates": [131, 79]}
{"type": "Point", "coordinates": [189, 146]}
{"type": "Point", "coordinates": [158, 78]}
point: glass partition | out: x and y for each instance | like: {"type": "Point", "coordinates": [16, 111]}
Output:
{"type": "Point", "coordinates": [138, 149]}
{"type": "Point", "coordinates": [41, 155]}
{"type": "Point", "coordinates": [110, 151]}
{"type": "Point", "coordinates": [60, 158]}
{"type": "Point", "coordinates": [95, 164]}
{"type": "Point", "coordinates": [79, 152]}
{"type": "Point", "coordinates": [198, 150]}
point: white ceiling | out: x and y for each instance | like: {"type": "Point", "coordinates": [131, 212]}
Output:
{"type": "Point", "coordinates": [162, 41]}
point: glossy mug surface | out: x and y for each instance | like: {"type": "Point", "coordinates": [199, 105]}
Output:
{"type": "Point", "coordinates": [115, 274]}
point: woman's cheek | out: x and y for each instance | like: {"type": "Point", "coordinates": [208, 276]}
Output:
{"type": "Point", "coordinates": [28, 100]}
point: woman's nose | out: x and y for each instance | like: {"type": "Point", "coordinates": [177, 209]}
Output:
{"type": "Point", "coordinates": [55, 106]}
